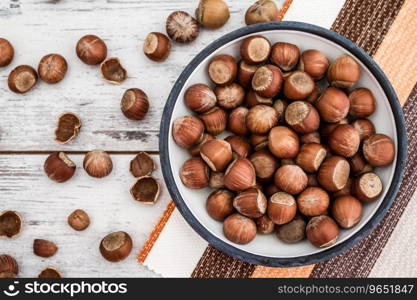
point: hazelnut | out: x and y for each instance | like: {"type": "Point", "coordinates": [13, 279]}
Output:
{"type": "Point", "coordinates": [91, 50]}
{"type": "Point", "coordinates": [313, 201]}
{"type": "Point", "coordinates": [142, 165]}
{"type": "Point", "coordinates": [157, 46]}
{"type": "Point", "coordinates": [312, 180]}
{"type": "Point", "coordinates": [134, 104]}
{"type": "Point", "coordinates": [59, 167]}
{"type": "Point", "coordinates": [334, 173]}
{"type": "Point", "coordinates": [240, 146]}
{"type": "Point", "coordinates": [283, 142]}
{"type": "Point", "coordinates": [217, 154]}
{"type": "Point", "coordinates": [327, 128]}
{"type": "Point", "coordinates": [280, 106]}
{"type": "Point", "coordinates": [245, 73]}
{"type": "Point", "coordinates": [292, 232]}
{"type": "Point", "coordinates": [261, 11]}
{"type": "Point", "coordinates": [315, 94]}
{"type": "Point", "coordinates": [239, 229]}
{"type": "Point", "coordinates": [312, 137]}
{"type": "Point", "coordinates": [357, 163]}
{"type": "Point", "coordinates": [6, 52]}
{"type": "Point", "coordinates": [49, 272]}
{"type": "Point", "coordinates": [116, 246]}
{"type": "Point", "coordinates": [333, 105]}
{"type": "Point", "coordinates": [52, 68]}
{"type": "Point", "coordinates": [22, 78]}
{"type": "Point", "coordinates": [212, 13]}
{"type": "Point", "coordinates": [344, 72]}
{"type": "Point", "coordinates": [97, 163]}
{"type": "Point", "coordinates": [187, 131]}
{"type": "Point", "coordinates": [79, 220]}
{"type": "Point", "coordinates": [10, 223]}
{"type": "Point", "coordinates": [365, 128]}
{"type": "Point", "coordinates": [344, 140]}
{"type": "Point", "coordinates": [314, 63]}
{"type": "Point", "coordinates": [281, 208]}
{"type": "Point", "coordinates": [367, 187]}
{"type": "Point", "coordinates": [285, 55]}
{"type": "Point", "coordinates": [219, 204]}
{"type": "Point", "coordinates": [261, 119]}
{"type": "Point", "coordinates": [298, 85]}
{"type": "Point", "coordinates": [216, 180]}
{"type": "Point", "coordinates": [8, 266]}
{"type": "Point", "coordinates": [255, 49]}
{"type": "Point", "coordinates": [267, 81]}
{"type": "Point", "coordinates": [252, 99]}
{"type": "Point", "coordinates": [215, 120]}
{"type": "Point", "coordinates": [194, 173]}
{"type": "Point", "coordinates": [200, 98]}
{"type": "Point", "coordinates": [258, 142]}
{"type": "Point", "coordinates": [181, 27]}
{"type": "Point", "coordinates": [265, 164]}
{"type": "Point", "coordinates": [346, 191]}
{"type": "Point", "coordinates": [264, 225]}
{"type": "Point", "coordinates": [302, 117]}
{"type": "Point", "coordinates": [44, 248]}
{"type": "Point", "coordinates": [68, 127]}
{"type": "Point", "coordinates": [379, 150]}
{"type": "Point", "coordinates": [271, 189]}
{"type": "Point", "coordinates": [322, 231]}
{"type": "Point", "coordinates": [112, 71]}
{"type": "Point", "coordinates": [195, 150]}
{"type": "Point", "coordinates": [237, 121]}
{"type": "Point", "coordinates": [240, 175]}
{"type": "Point", "coordinates": [250, 203]}
{"type": "Point", "coordinates": [229, 96]}
{"type": "Point", "coordinates": [222, 69]}
{"type": "Point", "coordinates": [311, 156]}
{"type": "Point", "coordinates": [347, 211]}
{"type": "Point", "coordinates": [362, 103]}
{"type": "Point", "coordinates": [146, 190]}
{"type": "Point", "coordinates": [291, 179]}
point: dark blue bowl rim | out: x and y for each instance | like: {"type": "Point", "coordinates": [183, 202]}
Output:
{"type": "Point", "coordinates": [285, 261]}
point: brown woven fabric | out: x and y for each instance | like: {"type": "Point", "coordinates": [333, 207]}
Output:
{"type": "Point", "coordinates": [366, 22]}
{"type": "Point", "coordinates": [216, 264]}
{"type": "Point", "coordinates": [358, 261]}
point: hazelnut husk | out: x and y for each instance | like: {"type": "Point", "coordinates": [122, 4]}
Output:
{"type": "Point", "coordinates": [365, 128]}
{"type": "Point", "coordinates": [142, 165]}
{"type": "Point", "coordinates": [313, 201]}
{"type": "Point", "coordinates": [291, 179]}
{"type": "Point", "coordinates": [6, 52]}
{"type": "Point", "coordinates": [79, 220]}
{"type": "Point", "coordinates": [311, 156]}
{"type": "Point", "coordinates": [314, 63]}
{"type": "Point", "coordinates": [261, 11]}
{"type": "Point", "coordinates": [215, 120]}
{"type": "Point", "coordinates": [267, 81]}
{"type": "Point", "coordinates": [195, 150]}
{"type": "Point", "coordinates": [52, 68]}
{"type": "Point", "coordinates": [265, 164]}
{"type": "Point", "coordinates": [112, 71]}
{"type": "Point", "coordinates": [258, 142]}
{"type": "Point", "coordinates": [379, 150]}
{"type": "Point", "coordinates": [312, 137]}
{"type": "Point", "coordinates": [49, 272]}
{"type": "Point", "coordinates": [200, 98]}
{"type": "Point", "coordinates": [216, 180]}
{"type": "Point", "coordinates": [367, 187]}
{"type": "Point", "coordinates": [344, 72]}
{"type": "Point", "coordinates": [10, 223]}
{"type": "Point", "coordinates": [181, 27]}
{"type": "Point", "coordinates": [252, 99]}
{"type": "Point", "coordinates": [59, 167]}
{"type": "Point", "coordinates": [298, 85]}
{"type": "Point", "coordinates": [240, 146]}
{"type": "Point", "coordinates": [334, 173]}
{"type": "Point", "coordinates": [187, 131]}
{"type": "Point", "coordinates": [255, 49]}
{"type": "Point", "coordinates": [281, 208]}
{"type": "Point", "coordinates": [261, 118]}
{"type": "Point", "coordinates": [134, 104]}
{"type": "Point", "coordinates": [250, 203]}
{"type": "Point", "coordinates": [347, 211]}
{"type": "Point", "coordinates": [116, 246]}
{"type": "Point", "coordinates": [239, 229]}
{"type": "Point", "coordinates": [264, 225]}
{"type": "Point", "coordinates": [302, 117]}
{"type": "Point", "coordinates": [292, 232]}
{"type": "Point", "coordinates": [229, 96]}
{"type": "Point", "coordinates": [222, 69]}
{"type": "Point", "coordinates": [91, 50]}
{"type": "Point", "coordinates": [44, 248]}
{"type": "Point", "coordinates": [212, 13]}
{"type": "Point", "coordinates": [146, 190]}
{"type": "Point", "coordinates": [285, 55]}
{"type": "Point", "coordinates": [245, 73]}
{"type": "Point", "coordinates": [344, 140]}
{"type": "Point", "coordinates": [237, 121]}
{"type": "Point", "coordinates": [322, 231]}
{"type": "Point", "coordinates": [362, 103]}
{"type": "Point", "coordinates": [240, 175]}
{"type": "Point", "coordinates": [217, 154]}
{"type": "Point", "coordinates": [97, 163]}
{"type": "Point", "coordinates": [283, 142]}
{"type": "Point", "coordinates": [68, 127]}
{"type": "Point", "coordinates": [333, 105]}
{"type": "Point", "coordinates": [22, 78]}
{"type": "Point", "coordinates": [194, 173]}
{"type": "Point", "coordinates": [219, 204]}
{"type": "Point", "coordinates": [157, 46]}
{"type": "Point", "coordinates": [8, 266]}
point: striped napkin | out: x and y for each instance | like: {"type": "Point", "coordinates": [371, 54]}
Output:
{"type": "Point", "coordinates": [387, 30]}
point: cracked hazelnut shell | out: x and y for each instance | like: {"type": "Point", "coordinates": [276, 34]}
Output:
{"type": "Point", "coordinates": [68, 127]}
{"type": "Point", "coordinates": [240, 175]}
{"type": "Point", "coordinates": [59, 167]}
{"type": "Point", "coordinates": [347, 211]}
{"type": "Point", "coordinates": [217, 154]}
{"type": "Point", "coordinates": [6, 52]}
{"type": "Point", "coordinates": [187, 131]}
{"type": "Point", "coordinates": [281, 208]}
{"type": "Point", "coordinates": [322, 231]}
{"type": "Point", "coordinates": [8, 266]}
{"type": "Point", "coordinates": [251, 203]}
{"type": "Point", "coordinates": [344, 72]}
{"type": "Point", "coordinates": [267, 81]}
{"type": "Point", "coordinates": [134, 104]}
{"type": "Point", "coordinates": [314, 63]}
{"type": "Point", "coordinates": [292, 232]}
{"type": "Point", "coordinates": [142, 165]}
{"type": "Point", "coordinates": [219, 204]}
{"type": "Point", "coordinates": [261, 11]}
{"type": "Point", "coordinates": [215, 120]}
{"type": "Point", "coordinates": [22, 78]}
{"type": "Point", "coordinates": [79, 220]}
{"type": "Point", "coordinates": [222, 69]}
{"type": "Point", "coordinates": [52, 68]}
{"type": "Point", "coordinates": [332, 105]}
{"type": "Point", "coordinates": [239, 229]}
{"type": "Point", "coordinates": [379, 150]}
{"type": "Point", "coordinates": [116, 246]}
{"type": "Point", "coordinates": [255, 49]}
{"type": "Point", "coordinates": [283, 142]}
{"type": "Point", "coordinates": [181, 27]}
{"type": "Point", "coordinates": [146, 190]}
{"type": "Point", "coordinates": [285, 55]}
{"type": "Point", "coordinates": [97, 163]}
{"type": "Point", "coordinates": [157, 46]}
{"type": "Point", "coordinates": [49, 272]}
{"type": "Point", "coordinates": [113, 71]}
{"type": "Point", "coordinates": [212, 13]}
{"type": "Point", "coordinates": [44, 248]}
{"type": "Point", "coordinates": [91, 50]}
{"type": "Point", "coordinates": [200, 98]}
{"type": "Point", "coordinates": [10, 223]}
{"type": "Point", "coordinates": [229, 96]}
{"type": "Point", "coordinates": [194, 173]}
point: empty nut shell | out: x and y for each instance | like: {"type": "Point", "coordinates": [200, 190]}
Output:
{"type": "Point", "coordinates": [116, 246]}
{"type": "Point", "coordinates": [222, 69]}
{"type": "Point", "coordinates": [219, 204]}
{"type": "Point", "coordinates": [229, 96]}
{"type": "Point", "coordinates": [59, 167]}
{"type": "Point", "coordinates": [285, 55]}
{"type": "Point", "coordinates": [281, 208]}
{"type": "Point", "coordinates": [142, 165]}
{"type": "Point", "coordinates": [10, 223]}
{"type": "Point", "coordinates": [344, 140]}
{"type": "Point", "coordinates": [322, 231]}
{"type": "Point", "coordinates": [6, 52]}
{"type": "Point", "coordinates": [52, 68]}
{"type": "Point", "coordinates": [194, 173]}
{"type": "Point", "coordinates": [215, 120]}
{"type": "Point", "coordinates": [146, 190]}
{"type": "Point", "coordinates": [200, 98]}
{"type": "Point", "coordinates": [261, 11]}
{"type": "Point", "coordinates": [8, 266]}
{"type": "Point", "coordinates": [291, 179]}
{"type": "Point", "coordinates": [217, 154]}
{"type": "Point", "coordinates": [255, 49]}
{"type": "Point", "coordinates": [334, 173]}
{"type": "Point", "coordinates": [265, 225]}
{"type": "Point", "coordinates": [97, 163]}
{"type": "Point", "coordinates": [181, 27]}
{"type": "Point", "coordinates": [379, 150]}
{"type": "Point", "coordinates": [250, 203]}
{"type": "Point", "coordinates": [347, 211]}
{"type": "Point", "coordinates": [292, 232]}
{"type": "Point", "coordinates": [240, 175]}
{"type": "Point", "coordinates": [302, 117]}
{"type": "Point", "coordinates": [314, 63]}
{"type": "Point", "coordinates": [313, 201]}
{"type": "Point", "coordinates": [22, 78]}
{"type": "Point", "coordinates": [283, 142]}
{"type": "Point", "coordinates": [44, 248]}
{"type": "Point", "coordinates": [49, 272]}
{"type": "Point", "coordinates": [157, 46]}
{"type": "Point", "coordinates": [68, 127]}
{"type": "Point", "coordinates": [112, 71]}
{"type": "Point", "coordinates": [362, 103]}
{"type": "Point", "coordinates": [344, 72]}
{"type": "Point", "coordinates": [267, 81]}
{"type": "Point", "coordinates": [239, 229]}
{"type": "Point", "coordinates": [333, 105]}
{"type": "Point", "coordinates": [134, 104]}
{"type": "Point", "coordinates": [187, 131]}
{"type": "Point", "coordinates": [91, 50]}
{"type": "Point", "coordinates": [367, 187]}
{"type": "Point", "coordinates": [79, 220]}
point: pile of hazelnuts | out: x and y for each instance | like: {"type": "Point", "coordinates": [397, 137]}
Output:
{"type": "Point", "coordinates": [301, 155]}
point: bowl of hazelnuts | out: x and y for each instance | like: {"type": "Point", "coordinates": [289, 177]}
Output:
{"type": "Point", "coordinates": [283, 144]}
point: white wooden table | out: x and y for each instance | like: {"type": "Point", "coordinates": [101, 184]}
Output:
{"type": "Point", "coordinates": [27, 123]}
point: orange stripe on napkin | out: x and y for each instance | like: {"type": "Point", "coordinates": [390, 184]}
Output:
{"type": "Point", "coordinates": [284, 9]}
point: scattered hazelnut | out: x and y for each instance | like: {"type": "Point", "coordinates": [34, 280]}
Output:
{"type": "Point", "coordinates": [44, 248]}
{"type": "Point", "coordinates": [134, 104]}
{"type": "Point", "coordinates": [8, 266]}
{"type": "Point", "coordinates": [250, 203]}
{"type": "Point", "coordinates": [245, 73]}
{"type": "Point", "coordinates": [142, 165]}
{"type": "Point", "coordinates": [283, 142]}
{"type": "Point", "coordinates": [264, 225]}
{"type": "Point", "coordinates": [258, 142]}
{"type": "Point", "coordinates": [68, 127]}
{"type": "Point", "coordinates": [112, 71]}
{"type": "Point", "coordinates": [313, 201]}
{"type": "Point", "coordinates": [146, 190]}
{"type": "Point", "coordinates": [344, 140]}
{"type": "Point", "coordinates": [347, 211]}
{"type": "Point", "coordinates": [6, 52]}
{"type": "Point", "coordinates": [59, 167]}
{"type": "Point", "coordinates": [322, 231]}
{"type": "Point", "coordinates": [333, 105]}
{"type": "Point", "coordinates": [237, 121]}
{"type": "Point", "coordinates": [219, 204]}
{"type": "Point", "coordinates": [285, 55]}
{"type": "Point", "coordinates": [261, 11]}
{"type": "Point", "coordinates": [200, 98]}
{"type": "Point", "coordinates": [298, 85]}
{"type": "Point", "coordinates": [240, 147]}
{"type": "Point", "coordinates": [212, 13]}
{"type": "Point", "coordinates": [261, 119]}
{"type": "Point", "coordinates": [79, 220]}
{"type": "Point", "coordinates": [22, 79]}
{"type": "Point", "coordinates": [187, 131]}
{"type": "Point", "coordinates": [314, 63]}
{"type": "Point", "coordinates": [379, 150]}
{"type": "Point", "coordinates": [97, 163]}
{"type": "Point", "coordinates": [367, 187]}
{"type": "Point", "coordinates": [49, 272]}
{"type": "Point", "coordinates": [255, 49]}
{"type": "Point", "coordinates": [229, 96]}
{"type": "Point", "coordinates": [281, 208]}
{"type": "Point", "coordinates": [365, 128]}
{"type": "Point", "coordinates": [91, 50]}
{"type": "Point", "coordinates": [302, 117]}
{"type": "Point", "coordinates": [195, 150]}
{"type": "Point", "coordinates": [239, 229]}
{"type": "Point", "coordinates": [157, 46]}
{"type": "Point", "coordinates": [181, 27]}
{"type": "Point", "coordinates": [267, 81]}
{"type": "Point", "coordinates": [252, 99]}
{"type": "Point", "coordinates": [216, 180]}
{"type": "Point", "coordinates": [334, 173]}
{"type": "Point", "coordinates": [292, 232]}
{"type": "Point", "coordinates": [116, 246]}
{"type": "Point", "coordinates": [362, 103]}
{"type": "Point", "coordinates": [52, 68]}
{"type": "Point", "coordinates": [312, 137]}
{"type": "Point", "coordinates": [10, 223]}
{"type": "Point", "coordinates": [194, 173]}
{"type": "Point", "coordinates": [311, 156]}
{"type": "Point", "coordinates": [291, 179]}
{"type": "Point", "coordinates": [240, 175]}
{"type": "Point", "coordinates": [217, 154]}
{"type": "Point", "coordinates": [344, 72]}
{"type": "Point", "coordinates": [222, 69]}
{"type": "Point", "coordinates": [265, 164]}
{"type": "Point", "coordinates": [215, 120]}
